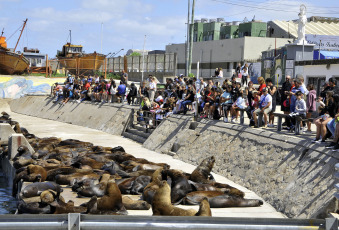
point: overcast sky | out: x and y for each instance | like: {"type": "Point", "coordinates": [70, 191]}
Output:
{"type": "Point", "coordinates": [125, 22]}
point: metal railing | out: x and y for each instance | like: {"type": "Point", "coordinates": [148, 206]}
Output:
{"type": "Point", "coordinates": [337, 176]}
{"type": "Point", "coordinates": [76, 221]}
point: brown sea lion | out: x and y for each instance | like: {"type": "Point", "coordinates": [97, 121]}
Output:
{"type": "Point", "coordinates": [152, 187]}
{"type": "Point", "coordinates": [112, 201]}
{"type": "Point", "coordinates": [125, 185]}
{"type": "Point", "coordinates": [162, 206]}
{"type": "Point", "coordinates": [202, 173]}
{"type": "Point", "coordinates": [62, 208]}
{"type": "Point", "coordinates": [75, 177]}
{"type": "Point", "coordinates": [139, 184]}
{"type": "Point", "coordinates": [194, 198]}
{"type": "Point", "coordinates": [204, 208]}
{"type": "Point", "coordinates": [214, 186]}
{"type": "Point", "coordinates": [131, 204]}
{"type": "Point", "coordinates": [92, 208]}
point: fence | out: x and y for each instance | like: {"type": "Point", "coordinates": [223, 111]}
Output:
{"type": "Point", "coordinates": [76, 221]}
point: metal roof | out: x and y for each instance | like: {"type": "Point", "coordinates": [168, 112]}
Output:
{"type": "Point", "coordinates": [319, 28]}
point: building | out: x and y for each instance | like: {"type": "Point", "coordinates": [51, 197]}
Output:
{"type": "Point", "coordinates": [217, 29]}
{"type": "Point", "coordinates": [36, 59]}
{"type": "Point", "coordinates": [225, 54]}
{"type": "Point", "coordinates": [130, 51]}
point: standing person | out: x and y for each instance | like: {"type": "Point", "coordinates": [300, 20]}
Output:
{"type": "Point", "coordinates": [265, 106]}
{"type": "Point", "coordinates": [310, 105]}
{"type": "Point", "coordinates": [221, 73]}
{"type": "Point", "coordinates": [226, 102]}
{"type": "Point", "coordinates": [286, 87]}
{"type": "Point", "coordinates": [238, 69]}
{"type": "Point", "coordinates": [244, 75]}
{"type": "Point", "coordinates": [152, 89]}
{"type": "Point", "coordinates": [132, 94]}
{"type": "Point", "coordinates": [124, 77]}
{"type": "Point", "coordinates": [272, 90]}
{"type": "Point", "coordinates": [216, 72]}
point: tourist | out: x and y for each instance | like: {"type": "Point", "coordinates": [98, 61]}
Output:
{"type": "Point", "coordinates": [121, 92]}
{"type": "Point", "coordinates": [124, 77]}
{"type": "Point", "coordinates": [262, 85]}
{"type": "Point", "coordinates": [152, 89]}
{"type": "Point", "coordinates": [285, 100]}
{"type": "Point", "coordinates": [240, 103]}
{"type": "Point", "coordinates": [188, 99]}
{"type": "Point", "coordinates": [328, 112]}
{"type": "Point", "coordinates": [310, 105]}
{"type": "Point", "coordinates": [244, 75]}
{"type": "Point", "coordinates": [299, 111]}
{"type": "Point", "coordinates": [132, 94]}
{"type": "Point", "coordinates": [265, 106]}
{"type": "Point", "coordinates": [226, 102]}
{"type": "Point", "coordinates": [272, 90]}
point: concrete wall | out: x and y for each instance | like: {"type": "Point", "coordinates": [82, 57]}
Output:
{"type": "Point", "coordinates": [293, 175]}
{"type": "Point", "coordinates": [110, 118]}
{"type": "Point", "coordinates": [329, 71]}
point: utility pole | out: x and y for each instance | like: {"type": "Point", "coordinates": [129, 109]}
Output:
{"type": "Point", "coordinates": [191, 39]}
{"type": "Point", "coordinates": [102, 29]}
{"type": "Point", "coordinates": [187, 37]}
{"type": "Point", "coordinates": [143, 62]}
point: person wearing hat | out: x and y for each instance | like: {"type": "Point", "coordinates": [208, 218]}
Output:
{"type": "Point", "coordinates": [265, 106]}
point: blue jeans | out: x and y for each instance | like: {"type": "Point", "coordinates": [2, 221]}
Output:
{"type": "Point", "coordinates": [184, 103]}
{"type": "Point", "coordinates": [331, 126]}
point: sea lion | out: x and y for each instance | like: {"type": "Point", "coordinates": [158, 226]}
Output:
{"type": "Point", "coordinates": [125, 185]}
{"type": "Point", "coordinates": [180, 186]}
{"type": "Point", "coordinates": [225, 201]}
{"type": "Point", "coordinates": [33, 208]}
{"type": "Point", "coordinates": [131, 204]}
{"type": "Point", "coordinates": [35, 189]}
{"type": "Point", "coordinates": [139, 184]}
{"type": "Point", "coordinates": [61, 207]}
{"type": "Point", "coordinates": [152, 187]}
{"type": "Point", "coordinates": [162, 206]}
{"type": "Point", "coordinates": [225, 188]}
{"type": "Point", "coordinates": [92, 208]}
{"type": "Point", "coordinates": [75, 177]}
{"type": "Point", "coordinates": [112, 201]}
{"type": "Point", "coordinates": [48, 196]}
{"type": "Point", "coordinates": [204, 208]}
{"type": "Point", "coordinates": [95, 190]}
{"type": "Point", "coordinates": [202, 173]}
{"type": "Point", "coordinates": [31, 173]}
{"type": "Point", "coordinates": [194, 198]}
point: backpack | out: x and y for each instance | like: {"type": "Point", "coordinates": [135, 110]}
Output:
{"type": "Point", "coordinates": [216, 115]}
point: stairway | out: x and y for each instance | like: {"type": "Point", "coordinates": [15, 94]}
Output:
{"type": "Point", "coordinates": [137, 133]}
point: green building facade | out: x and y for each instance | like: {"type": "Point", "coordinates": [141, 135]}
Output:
{"type": "Point", "coordinates": [217, 30]}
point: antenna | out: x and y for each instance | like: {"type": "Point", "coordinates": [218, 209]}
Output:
{"type": "Point", "coordinates": [2, 33]}
{"type": "Point", "coordinates": [102, 28]}
{"type": "Point", "coordinates": [70, 36]}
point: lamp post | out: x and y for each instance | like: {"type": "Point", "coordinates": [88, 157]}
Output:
{"type": "Point", "coordinates": [143, 61]}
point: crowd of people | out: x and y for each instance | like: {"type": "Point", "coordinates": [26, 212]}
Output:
{"type": "Point", "coordinates": [214, 99]}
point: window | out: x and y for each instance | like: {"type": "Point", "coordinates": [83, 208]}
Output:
{"type": "Point", "coordinates": [317, 81]}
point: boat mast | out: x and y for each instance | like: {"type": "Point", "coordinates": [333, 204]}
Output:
{"type": "Point", "coordinates": [23, 27]}
{"type": "Point", "coordinates": [2, 33]}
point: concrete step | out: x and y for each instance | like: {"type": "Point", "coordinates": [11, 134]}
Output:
{"type": "Point", "coordinates": [141, 128]}
{"type": "Point", "coordinates": [134, 137]}
{"type": "Point", "coordinates": [138, 132]}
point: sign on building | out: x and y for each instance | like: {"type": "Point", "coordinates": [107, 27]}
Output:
{"type": "Point", "coordinates": [324, 42]}
{"type": "Point", "coordinates": [254, 70]}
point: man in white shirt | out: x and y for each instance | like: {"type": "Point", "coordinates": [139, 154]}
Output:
{"type": "Point", "coordinates": [152, 89]}
{"type": "Point", "coordinates": [265, 106]}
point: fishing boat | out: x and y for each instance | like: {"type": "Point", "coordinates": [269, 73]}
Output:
{"type": "Point", "coordinates": [73, 59]}
{"type": "Point", "coordinates": [10, 61]}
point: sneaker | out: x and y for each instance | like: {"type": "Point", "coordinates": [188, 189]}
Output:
{"type": "Point", "coordinates": [320, 141]}
{"type": "Point", "coordinates": [336, 147]}
{"type": "Point", "coordinates": [330, 146]}
{"type": "Point", "coordinates": [225, 119]}
{"type": "Point", "coordinates": [264, 127]}
{"type": "Point", "coordinates": [233, 120]}
{"type": "Point", "coordinates": [308, 131]}
{"type": "Point", "coordinates": [315, 140]}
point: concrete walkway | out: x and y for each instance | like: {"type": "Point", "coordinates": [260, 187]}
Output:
{"type": "Point", "coordinates": [47, 128]}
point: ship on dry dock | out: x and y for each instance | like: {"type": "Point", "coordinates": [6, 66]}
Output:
{"type": "Point", "coordinates": [10, 61]}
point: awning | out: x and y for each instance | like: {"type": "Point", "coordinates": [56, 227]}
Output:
{"type": "Point", "coordinates": [325, 54]}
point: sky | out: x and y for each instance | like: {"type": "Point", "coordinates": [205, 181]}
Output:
{"type": "Point", "coordinates": [123, 24]}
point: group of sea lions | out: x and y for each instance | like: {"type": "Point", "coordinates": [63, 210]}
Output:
{"type": "Point", "coordinates": [106, 175]}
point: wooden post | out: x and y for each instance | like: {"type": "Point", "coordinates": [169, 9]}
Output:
{"type": "Point", "coordinates": [105, 68]}
{"type": "Point", "coordinates": [46, 65]}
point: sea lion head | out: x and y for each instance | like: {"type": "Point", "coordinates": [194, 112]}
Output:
{"type": "Point", "coordinates": [48, 196]}
{"type": "Point", "coordinates": [22, 149]}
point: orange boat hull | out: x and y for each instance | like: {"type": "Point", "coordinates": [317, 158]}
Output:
{"type": "Point", "coordinates": [85, 64]}
{"type": "Point", "coordinates": [12, 63]}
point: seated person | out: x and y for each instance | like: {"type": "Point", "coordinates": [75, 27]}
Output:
{"type": "Point", "coordinates": [299, 111]}
{"type": "Point", "coordinates": [133, 92]}
{"type": "Point", "coordinates": [188, 99]}
{"type": "Point", "coordinates": [265, 106]}
{"type": "Point", "coordinates": [226, 102]}
{"type": "Point", "coordinates": [240, 103]}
